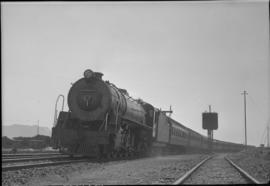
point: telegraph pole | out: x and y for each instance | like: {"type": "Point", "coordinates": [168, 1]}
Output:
{"type": "Point", "coordinates": [267, 135]}
{"type": "Point", "coordinates": [245, 93]}
{"type": "Point", "coordinates": [38, 128]}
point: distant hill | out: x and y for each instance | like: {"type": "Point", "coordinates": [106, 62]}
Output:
{"type": "Point", "coordinates": [18, 130]}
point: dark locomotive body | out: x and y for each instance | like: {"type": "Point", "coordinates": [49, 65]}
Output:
{"type": "Point", "coordinates": [104, 121]}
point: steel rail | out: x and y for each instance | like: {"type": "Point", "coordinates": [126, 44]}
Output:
{"type": "Point", "coordinates": [21, 157]}
{"type": "Point", "coordinates": [33, 159]}
{"type": "Point", "coordinates": [242, 172]}
{"type": "Point", "coordinates": [13, 158]}
{"type": "Point", "coordinates": [18, 167]}
{"type": "Point", "coordinates": [33, 154]}
{"type": "Point", "coordinates": [188, 174]}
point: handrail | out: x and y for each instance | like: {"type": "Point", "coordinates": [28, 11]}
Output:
{"type": "Point", "coordinates": [55, 108]}
{"type": "Point", "coordinates": [117, 113]}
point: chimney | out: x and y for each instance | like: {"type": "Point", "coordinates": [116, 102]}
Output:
{"type": "Point", "coordinates": [98, 75]}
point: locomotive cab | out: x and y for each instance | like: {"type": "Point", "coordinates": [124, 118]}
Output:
{"type": "Point", "coordinates": [149, 114]}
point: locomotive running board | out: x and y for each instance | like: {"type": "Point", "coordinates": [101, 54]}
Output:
{"type": "Point", "coordinates": [135, 123]}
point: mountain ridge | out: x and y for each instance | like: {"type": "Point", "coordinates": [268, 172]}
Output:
{"type": "Point", "coordinates": [23, 130]}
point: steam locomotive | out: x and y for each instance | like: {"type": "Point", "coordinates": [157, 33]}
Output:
{"type": "Point", "coordinates": [104, 121]}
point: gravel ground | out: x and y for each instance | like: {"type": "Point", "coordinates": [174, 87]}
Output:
{"type": "Point", "coordinates": [33, 175]}
{"type": "Point", "coordinates": [216, 171]}
{"type": "Point", "coordinates": [255, 161]}
{"type": "Point", "coordinates": [154, 170]}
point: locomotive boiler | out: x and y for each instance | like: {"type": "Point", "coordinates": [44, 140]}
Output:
{"type": "Point", "coordinates": [103, 120]}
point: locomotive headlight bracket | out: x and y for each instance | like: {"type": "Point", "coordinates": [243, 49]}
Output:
{"type": "Point", "coordinates": [88, 74]}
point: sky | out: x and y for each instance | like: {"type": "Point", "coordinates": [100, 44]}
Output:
{"type": "Point", "coordinates": [185, 54]}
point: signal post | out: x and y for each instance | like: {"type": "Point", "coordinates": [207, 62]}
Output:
{"type": "Point", "coordinates": [210, 122]}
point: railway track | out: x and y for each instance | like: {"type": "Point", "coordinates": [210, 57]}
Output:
{"type": "Point", "coordinates": [216, 169]}
{"type": "Point", "coordinates": [14, 160]}
{"type": "Point", "coordinates": [18, 162]}
{"type": "Point", "coordinates": [27, 155]}
{"type": "Point", "coordinates": [44, 164]}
